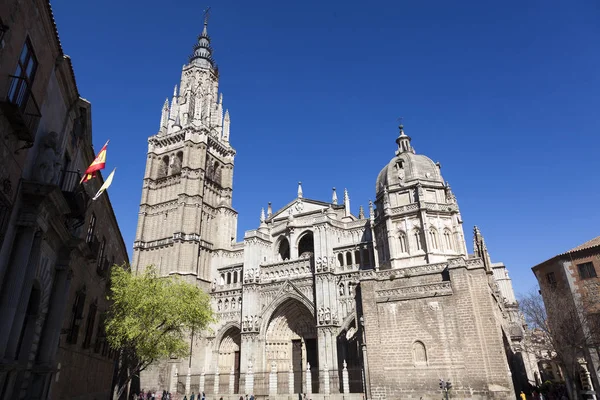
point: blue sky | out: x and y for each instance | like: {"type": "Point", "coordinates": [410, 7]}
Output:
{"type": "Point", "coordinates": [505, 95]}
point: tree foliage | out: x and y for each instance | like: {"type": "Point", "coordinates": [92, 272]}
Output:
{"type": "Point", "coordinates": [151, 318]}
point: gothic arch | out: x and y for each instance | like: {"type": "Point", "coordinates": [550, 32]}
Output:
{"type": "Point", "coordinates": [282, 247]}
{"type": "Point", "coordinates": [224, 329]}
{"type": "Point", "coordinates": [305, 242]}
{"type": "Point", "coordinates": [419, 353]}
{"type": "Point", "coordinates": [347, 322]}
{"type": "Point", "coordinates": [272, 308]}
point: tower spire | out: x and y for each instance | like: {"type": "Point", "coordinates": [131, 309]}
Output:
{"type": "Point", "coordinates": [403, 142]}
{"type": "Point", "coordinates": [202, 54]}
{"type": "Point", "coordinates": [347, 202]}
{"type": "Point", "coordinates": [334, 199]}
{"type": "Point", "coordinates": [299, 190]}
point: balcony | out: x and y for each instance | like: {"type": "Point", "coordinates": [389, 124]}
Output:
{"type": "Point", "coordinates": [76, 197]}
{"type": "Point", "coordinates": [21, 109]}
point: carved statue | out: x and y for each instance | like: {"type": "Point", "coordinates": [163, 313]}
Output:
{"type": "Point", "coordinates": [214, 284]}
{"type": "Point", "coordinates": [320, 315]}
{"type": "Point", "coordinates": [334, 319]}
{"type": "Point", "coordinates": [256, 323]}
{"type": "Point", "coordinates": [257, 275]}
{"type": "Point", "coordinates": [48, 166]}
{"type": "Point", "coordinates": [327, 315]}
{"type": "Point", "coordinates": [341, 289]}
{"type": "Point", "coordinates": [246, 323]}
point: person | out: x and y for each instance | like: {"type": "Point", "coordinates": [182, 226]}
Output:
{"type": "Point", "coordinates": [251, 397]}
{"type": "Point", "coordinates": [193, 396]}
{"type": "Point", "coordinates": [241, 397]}
{"type": "Point", "coordinates": [522, 396]}
{"type": "Point", "coordinates": [203, 396]}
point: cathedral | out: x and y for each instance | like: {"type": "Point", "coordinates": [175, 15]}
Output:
{"type": "Point", "coordinates": [386, 304]}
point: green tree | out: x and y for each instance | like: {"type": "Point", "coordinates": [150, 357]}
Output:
{"type": "Point", "coordinates": [151, 318]}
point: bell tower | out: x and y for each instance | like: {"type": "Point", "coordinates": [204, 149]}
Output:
{"type": "Point", "coordinates": [185, 211]}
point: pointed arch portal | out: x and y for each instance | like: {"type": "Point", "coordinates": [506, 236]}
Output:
{"type": "Point", "coordinates": [291, 340]}
{"type": "Point", "coordinates": [229, 354]}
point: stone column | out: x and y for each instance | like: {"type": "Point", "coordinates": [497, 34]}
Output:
{"type": "Point", "coordinates": [188, 381]}
{"type": "Point", "coordinates": [291, 379]}
{"type": "Point", "coordinates": [56, 311]}
{"type": "Point", "coordinates": [345, 379]}
{"type": "Point", "coordinates": [232, 381]}
{"type": "Point", "coordinates": [249, 379]}
{"type": "Point", "coordinates": [20, 314]}
{"type": "Point", "coordinates": [326, 388]}
{"type": "Point", "coordinates": [202, 381]}
{"type": "Point", "coordinates": [174, 377]}
{"type": "Point", "coordinates": [13, 283]}
{"type": "Point", "coordinates": [273, 379]}
{"type": "Point", "coordinates": [216, 385]}
{"type": "Point", "coordinates": [308, 380]}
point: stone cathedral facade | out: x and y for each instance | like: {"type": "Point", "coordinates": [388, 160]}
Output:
{"type": "Point", "coordinates": [316, 299]}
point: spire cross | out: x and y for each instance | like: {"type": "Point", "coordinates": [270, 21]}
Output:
{"type": "Point", "coordinates": [400, 119]}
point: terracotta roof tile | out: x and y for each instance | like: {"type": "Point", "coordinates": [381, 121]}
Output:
{"type": "Point", "coordinates": [590, 243]}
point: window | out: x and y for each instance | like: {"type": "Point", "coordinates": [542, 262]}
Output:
{"type": "Point", "coordinates": [100, 260]}
{"type": "Point", "coordinates": [76, 316]}
{"type": "Point", "coordinates": [3, 30]}
{"type": "Point", "coordinates": [89, 328]}
{"type": "Point", "coordinates": [340, 258]}
{"type": "Point", "coordinates": [417, 238]}
{"type": "Point", "coordinates": [91, 227]}
{"type": "Point", "coordinates": [419, 353]}
{"type": "Point", "coordinates": [551, 278]}
{"type": "Point", "coordinates": [433, 238]}
{"type": "Point", "coordinates": [26, 68]}
{"type": "Point", "coordinates": [586, 270]}
{"type": "Point", "coordinates": [402, 238]}
{"type": "Point", "coordinates": [448, 239]}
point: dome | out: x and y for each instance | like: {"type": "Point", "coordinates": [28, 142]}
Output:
{"type": "Point", "coordinates": [407, 167]}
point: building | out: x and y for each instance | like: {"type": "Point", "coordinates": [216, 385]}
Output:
{"type": "Point", "coordinates": [316, 299]}
{"type": "Point", "coordinates": [572, 277]}
{"type": "Point", "coordinates": [50, 257]}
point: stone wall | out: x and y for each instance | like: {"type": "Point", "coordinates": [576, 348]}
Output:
{"type": "Point", "coordinates": [434, 325]}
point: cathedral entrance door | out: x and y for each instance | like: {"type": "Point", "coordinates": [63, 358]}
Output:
{"type": "Point", "coordinates": [291, 340]}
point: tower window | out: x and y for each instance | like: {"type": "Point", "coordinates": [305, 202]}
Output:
{"type": "Point", "coordinates": [163, 167]}
{"type": "Point", "coordinates": [417, 239]}
{"type": "Point", "coordinates": [419, 353]}
{"type": "Point", "coordinates": [402, 241]}
{"type": "Point", "coordinates": [433, 238]}
{"type": "Point", "coordinates": [551, 278]}
{"type": "Point", "coordinates": [448, 239]}
{"type": "Point", "coordinates": [586, 270]}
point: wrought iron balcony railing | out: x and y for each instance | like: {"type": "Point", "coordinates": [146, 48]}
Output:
{"type": "Point", "coordinates": [21, 109]}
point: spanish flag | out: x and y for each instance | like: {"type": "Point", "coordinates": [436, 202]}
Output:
{"type": "Point", "coordinates": [98, 164]}
{"type": "Point", "coordinates": [105, 185]}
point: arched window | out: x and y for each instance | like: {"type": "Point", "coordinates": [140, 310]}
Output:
{"type": "Point", "coordinates": [348, 258]}
{"type": "Point", "coordinates": [226, 305]}
{"type": "Point", "coordinates": [235, 276]}
{"type": "Point", "coordinates": [448, 239]}
{"type": "Point", "coordinates": [177, 161]}
{"type": "Point", "coordinates": [284, 249]}
{"type": "Point", "coordinates": [402, 240]}
{"type": "Point", "coordinates": [163, 167]}
{"type": "Point", "coordinates": [340, 259]}
{"type": "Point", "coordinates": [222, 280]}
{"type": "Point", "coordinates": [357, 257]}
{"type": "Point", "coordinates": [229, 278]}
{"type": "Point", "coordinates": [218, 170]}
{"type": "Point", "coordinates": [306, 245]}
{"type": "Point", "coordinates": [419, 353]}
{"type": "Point", "coordinates": [433, 239]}
{"type": "Point", "coordinates": [417, 239]}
